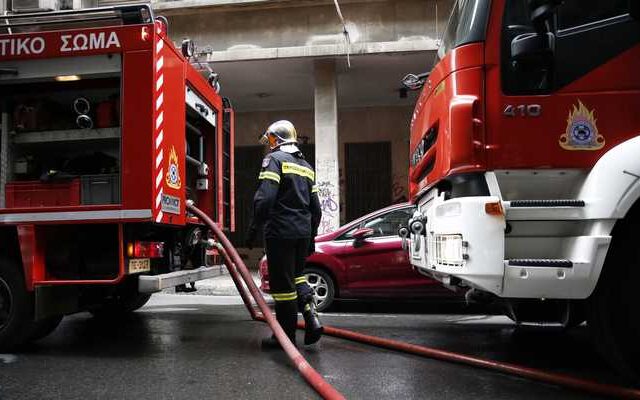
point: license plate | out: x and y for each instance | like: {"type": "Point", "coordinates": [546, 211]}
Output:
{"type": "Point", "coordinates": [139, 265]}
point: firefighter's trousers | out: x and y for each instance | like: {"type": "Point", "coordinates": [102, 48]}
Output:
{"type": "Point", "coordinates": [287, 284]}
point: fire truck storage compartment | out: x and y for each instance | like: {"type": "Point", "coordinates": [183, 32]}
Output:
{"type": "Point", "coordinates": [201, 148]}
{"type": "Point", "coordinates": [60, 132]}
{"type": "Point", "coordinates": [85, 251]}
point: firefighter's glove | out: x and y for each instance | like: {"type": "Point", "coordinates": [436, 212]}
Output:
{"type": "Point", "coordinates": [251, 237]}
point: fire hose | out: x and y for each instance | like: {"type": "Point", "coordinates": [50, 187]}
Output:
{"type": "Point", "coordinates": [238, 270]}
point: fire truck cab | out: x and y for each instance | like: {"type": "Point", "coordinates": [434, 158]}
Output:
{"type": "Point", "coordinates": [106, 131]}
{"type": "Point", "coordinates": [524, 164]}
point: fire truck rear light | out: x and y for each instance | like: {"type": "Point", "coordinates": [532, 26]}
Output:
{"type": "Point", "coordinates": [494, 208]}
{"type": "Point", "coordinates": [145, 250]}
{"type": "Point", "coordinates": [67, 78]}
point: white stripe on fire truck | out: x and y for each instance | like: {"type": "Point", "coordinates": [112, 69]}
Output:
{"type": "Point", "coordinates": [159, 119]}
{"type": "Point", "coordinates": [159, 46]}
{"type": "Point", "coordinates": [75, 216]}
{"type": "Point", "coordinates": [159, 158]}
{"type": "Point", "coordinates": [159, 217]}
{"type": "Point", "coordinates": [159, 63]}
{"type": "Point", "coordinates": [159, 138]}
{"type": "Point", "coordinates": [159, 178]}
{"type": "Point", "coordinates": [159, 101]}
{"type": "Point", "coordinates": [159, 82]}
{"type": "Point", "coordinates": [159, 198]}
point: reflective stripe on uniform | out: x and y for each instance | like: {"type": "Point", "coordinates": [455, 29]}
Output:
{"type": "Point", "coordinates": [293, 168]}
{"type": "Point", "coordinates": [284, 296]}
{"type": "Point", "coordinates": [314, 189]}
{"type": "Point", "coordinates": [269, 175]}
{"type": "Point", "coordinates": [301, 279]}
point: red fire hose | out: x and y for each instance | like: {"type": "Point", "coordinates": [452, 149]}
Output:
{"type": "Point", "coordinates": [235, 265]}
{"type": "Point", "coordinates": [234, 261]}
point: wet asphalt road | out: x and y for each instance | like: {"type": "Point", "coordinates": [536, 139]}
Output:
{"type": "Point", "coordinates": [203, 347]}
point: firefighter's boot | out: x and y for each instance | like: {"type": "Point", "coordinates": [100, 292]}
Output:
{"type": "Point", "coordinates": [287, 316]}
{"type": "Point", "coordinates": [312, 326]}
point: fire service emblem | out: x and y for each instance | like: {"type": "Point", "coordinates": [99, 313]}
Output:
{"type": "Point", "coordinates": [582, 131]}
{"type": "Point", "coordinates": [173, 174]}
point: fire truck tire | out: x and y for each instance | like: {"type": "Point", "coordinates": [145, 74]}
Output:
{"type": "Point", "coordinates": [44, 327]}
{"type": "Point", "coordinates": [613, 311]}
{"type": "Point", "coordinates": [121, 305]}
{"type": "Point", "coordinates": [323, 285]}
{"type": "Point", "coordinates": [16, 306]}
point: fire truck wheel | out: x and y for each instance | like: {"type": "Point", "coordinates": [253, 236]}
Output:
{"type": "Point", "coordinates": [613, 313]}
{"type": "Point", "coordinates": [121, 305]}
{"type": "Point", "coordinates": [16, 306]}
{"type": "Point", "coordinates": [44, 327]}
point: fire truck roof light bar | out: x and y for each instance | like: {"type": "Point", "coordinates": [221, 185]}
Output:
{"type": "Point", "coordinates": [129, 14]}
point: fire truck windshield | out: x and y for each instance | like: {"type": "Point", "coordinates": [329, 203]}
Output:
{"type": "Point", "coordinates": [467, 24]}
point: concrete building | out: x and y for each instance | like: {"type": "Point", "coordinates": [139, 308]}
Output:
{"type": "Point", "coordinates": [334, 71]}
{"type": "Point", "coordinates": [331, 67]}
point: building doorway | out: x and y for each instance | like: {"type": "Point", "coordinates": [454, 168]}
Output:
{"type": "Point", "coordinates": [367, 177]}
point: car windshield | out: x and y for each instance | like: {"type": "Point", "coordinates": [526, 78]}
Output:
{"type": "Point", "coordinates": [467, 24]}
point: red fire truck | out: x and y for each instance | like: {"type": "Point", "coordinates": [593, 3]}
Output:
{"type": "Point", "coordinates": [525, 164]}
{"type": "Point", "coordinates": [106, 131]}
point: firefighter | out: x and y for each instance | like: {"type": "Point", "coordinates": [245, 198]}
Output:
{"type": "Point", "coordinates": [286, 204]}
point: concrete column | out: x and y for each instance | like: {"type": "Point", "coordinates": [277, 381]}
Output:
{"type": "Point", "coordinates": [326, 140]}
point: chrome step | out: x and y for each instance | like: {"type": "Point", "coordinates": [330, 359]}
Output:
{"type": "Point", "coordinates": [156, 283]}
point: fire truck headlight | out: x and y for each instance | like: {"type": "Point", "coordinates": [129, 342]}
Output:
{"type": "Point", "coordinates": [450, 250]}
{"type": "Point", "coordinates": [452, 209]}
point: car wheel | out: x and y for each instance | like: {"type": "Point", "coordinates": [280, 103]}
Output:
{"type": "Point", "coordinates": [16, 306]}
{"type": "Point", "coordinates": [322, 285]}
{"type": "Point", "coordinates": [612, 313]}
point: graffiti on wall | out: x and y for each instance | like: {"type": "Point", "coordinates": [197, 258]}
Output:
{"type": "Point", "coordinates": [328, 194]}
{"type": "Point", "coordinates": [399, 188]}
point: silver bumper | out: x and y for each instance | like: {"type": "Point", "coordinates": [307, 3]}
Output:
{"type": "Point", "coordinates": [156, 283]}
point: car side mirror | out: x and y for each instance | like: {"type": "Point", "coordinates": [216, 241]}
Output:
{"type": "Point", "coordinates": [361, 235]}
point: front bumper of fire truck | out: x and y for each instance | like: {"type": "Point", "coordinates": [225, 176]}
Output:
{"type": "Point", "coordinates": [469, 242]}
{"type": "Point", "coordinates": [459, 239]}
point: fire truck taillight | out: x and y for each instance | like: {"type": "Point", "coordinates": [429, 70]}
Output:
{"type": "Point", "coordinates": [145, 250]}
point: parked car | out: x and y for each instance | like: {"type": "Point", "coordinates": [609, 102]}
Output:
{"type": "Point", "coordinates": [364, 259]}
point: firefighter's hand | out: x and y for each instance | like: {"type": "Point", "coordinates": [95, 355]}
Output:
{"type": "Point", "coordinates": [251, 237]}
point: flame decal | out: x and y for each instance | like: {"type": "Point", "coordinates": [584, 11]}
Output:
{"type": "Point", "coordinates": [173, 172]}
{"type": "Point", "coordinates": [582, 131]}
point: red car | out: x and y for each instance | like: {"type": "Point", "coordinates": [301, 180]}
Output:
{"type": "Point", "coordinates": [364, 259]}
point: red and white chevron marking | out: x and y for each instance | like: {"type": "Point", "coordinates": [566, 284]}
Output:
{"type": "Point", "coordinates": [159, 131]}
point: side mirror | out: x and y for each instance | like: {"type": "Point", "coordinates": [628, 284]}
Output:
{"type": "Point", "coordinates": [533, 47]}
{"type": "Point", "coordinates": [413, 81]}
{"type": "Point", "coordinates": [361, 234]}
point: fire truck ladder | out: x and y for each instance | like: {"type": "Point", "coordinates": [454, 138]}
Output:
{"type": "Point", "coordinates": [127, 14]}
